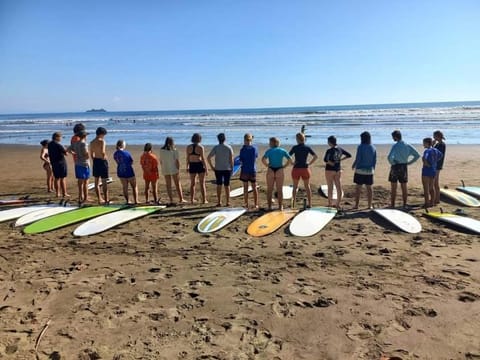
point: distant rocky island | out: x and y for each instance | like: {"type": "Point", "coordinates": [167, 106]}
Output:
{"type": "Point", "coordinates": [96, 110]}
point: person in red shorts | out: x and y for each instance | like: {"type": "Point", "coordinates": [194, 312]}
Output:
{"type": "Point", "coordinates": [301, 168]}
{"type": "Point", "coordinates": [149, 163]}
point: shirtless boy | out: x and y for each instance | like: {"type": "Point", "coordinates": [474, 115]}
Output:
{"type": "Point", "coordinates": [100, 164]}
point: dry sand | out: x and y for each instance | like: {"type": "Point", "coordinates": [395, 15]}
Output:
{"type": "Point", "coordinates": [157, 289]}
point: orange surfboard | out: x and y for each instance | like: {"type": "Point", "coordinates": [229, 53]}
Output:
{"type": "Point", "coordinates": [270, 222]}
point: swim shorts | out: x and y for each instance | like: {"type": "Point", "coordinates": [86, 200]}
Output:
{"type": "Point", "coordinates": [82, 172]}
{"type": "Point", "coordinates": [100, 168]}
{"type": "Point", "coordinates": [301, 173]}
{"type": "Point", "coordinates": [246, 177]}
{"type": "Point", "coordinates": [59, 170]}
{"type": "Point", "coordinates": [398, 172]}
{"type": "Point", "coordinates": [362, 179]}
{"type": "Point", "coordinates": [196, 168]}
{"type": "Point", "coordinates": [223, 177]}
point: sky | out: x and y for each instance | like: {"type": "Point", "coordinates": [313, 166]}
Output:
{"type": "Point", "coordinates": [61, 56]}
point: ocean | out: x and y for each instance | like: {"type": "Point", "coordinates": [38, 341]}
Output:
{"type": "Point", "coordinates": [459, 121]}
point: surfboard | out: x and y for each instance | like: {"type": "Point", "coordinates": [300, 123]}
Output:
{"type": "Point", "coordinates": [17, 201]}
{"type": "Point", "coordinates": [71, 217]}
{"type": "Point", "coordinates": [311, 221]}
{"type": "Point", "coordinates": [110, 220]}
{"type": "Point", "coordinates": [460, 197]}
{"type": "Point", "coordinates": [15, 213]}
{"type": "Point", "coordinates": [464, 222]}
{"type": "Point", "coordinates": [270, 222]}
{"type": "Point", "coordinates": [43, 213]}
{"type": "Point", "coordinates": [400, 219]}
{"type": "Point", "coordinates": [239, 191]}
{"type": "Point", "coordinates": [470, 190]}
{"type": "Point", "coordinates": [287, 192]}
{"type": "Point", "coordinates": [236, 165]}
{"type": "Point", "coordinates": [323, 190]}
{"type": "Point", "coordinates": [218, 219]}
{"type": "Point", "coordinates": [92, 184]}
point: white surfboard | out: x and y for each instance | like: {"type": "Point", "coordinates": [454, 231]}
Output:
{"type": "Point", "coordinates": [218, 219]}
{"type": "Point", "coordinates": [323, 190]}
{"type": "Point", "coordinates": [92, 184]}
{"type": "Point", "coordinates": [464, 222]}
{"type": "Point", "coordinates": [110, 220]}
{"type": "Point", "coordinates": [15, 213]}
{"type": "Point", "coordinates": [311, 221]}
{"type": "Point", "coordinates": [460, 197]}
{"type": "Point", "coordinates": [239, 191]}
{"type": "Point", "coordinates": [43, 213]}
{"type": "Point", "coordinates": [470, 190]}
{"type": "Point", "coordinates": [287, 192]}
{"type": "Point", "coordinates": [400, 219]}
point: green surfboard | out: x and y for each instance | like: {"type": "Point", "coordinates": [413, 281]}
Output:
{"type": "Point", "coordinates": [68, 218]}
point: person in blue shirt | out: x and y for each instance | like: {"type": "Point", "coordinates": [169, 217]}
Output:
{"type": "Point", "coordinates": [431, 157]}
{"type": "Point", "coordinates": [439, 144]}
{"type": "Point", "coordinates": [401, 155]}
{"type": "Point", "coordinates": [248, 172]}
{"type": "Point", "coordinates": [125, 171]}
{"type": "Point", "coordinates": [364, 167]}
{"type": "Point", "coordinates": [273, 159]}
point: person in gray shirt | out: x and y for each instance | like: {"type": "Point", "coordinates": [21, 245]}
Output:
{"type": "Point", "coordinates": [223, 154]}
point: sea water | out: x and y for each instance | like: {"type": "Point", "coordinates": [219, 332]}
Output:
{"type": "Point", "coordinates": [460, 122]}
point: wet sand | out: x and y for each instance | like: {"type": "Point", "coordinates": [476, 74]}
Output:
{"type": "Point", "coordinates": [157, 289]}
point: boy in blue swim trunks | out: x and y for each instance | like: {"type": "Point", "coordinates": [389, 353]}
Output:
{"type": "Point", "coordinates": [82, 165]}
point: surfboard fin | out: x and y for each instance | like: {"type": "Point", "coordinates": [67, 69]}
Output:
{"type": "Point", "coordinates": [463, 183]}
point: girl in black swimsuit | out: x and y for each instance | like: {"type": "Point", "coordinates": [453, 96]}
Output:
{"type": "Point", "coordinates": [196, 166]}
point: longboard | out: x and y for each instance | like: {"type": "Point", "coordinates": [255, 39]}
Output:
{"type": "Point", "coordinates": [218, 219]}
{"type": "Point", "coordinates": [460, 197]}
{"type": "Point", "coordinates": [239, 191]}
{"type": "Point", "coordinates": [311, 221]}
{"type": "Point", "coordinates": [400, 219]}
{"type": "Point", "coordinates": [287, 192]}
{"type": "Point", "coordinates": [236, 165]}
{"type": "Point", "coordinates": [470, 190]}
{"type": "Point", "coordinates": [461, 221]}
{"type": "Point", "coordinates": [270, 222]}
{"type": "Point", "coordinates": [323, 190]}
{"type": "Point", "coordinates": [15, 213]}
{"type": "Point", "coordinates": [92, 184]}
{"type": "Point", "coordinates": [71, 217]}
{"type": "Point", "coordinates": [42, 214]}
{"type": "Point", "coordinates": [110, 220]}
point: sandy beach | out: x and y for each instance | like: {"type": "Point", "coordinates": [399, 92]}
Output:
{"type": "Point", "coordinates": [155, 288]}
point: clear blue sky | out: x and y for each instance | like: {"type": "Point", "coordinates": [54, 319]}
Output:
{"type": "Point", "coordinates": [59, 55]}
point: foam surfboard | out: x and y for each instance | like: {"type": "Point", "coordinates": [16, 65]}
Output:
{"type": "Point", "coordinates": [110, 220]}
{"type": "Point", "coordinates": [236, 165]}
{"type": "Point", "coordinates": [42, 214]}
{"type": "Point", "coordinates": [287, 192]}
{"type": "Point", "coordinates": [218, 219]}
{"type": "Point", "coordinates": [270, 222]}
{"type": "Point", "coordinates": [460, 197]}
{"type": "Point", "coordinates": [470, 190]}
{"type": "Point", "coordinates": [463, 222]}
{"type": "Point", "coordinates": [311, 221]}
{"type": "Point", "coordinates": [323, 190]}
{"type": "Point", "coordinates": [239, 191]}
{"type": "Point", "coordinates": [17, 201]}
{"type": "Point", "coordinates": [15, 213]}
{"type": "Point", "coordinates": [92, 184]}
{"type": "Point", "coordinates": [400, 219]}
{"type": "Point", "coordinates": [71, 217]}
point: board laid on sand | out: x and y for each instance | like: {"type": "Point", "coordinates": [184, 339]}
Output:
{"type": "Point", "coordinates": [92, 184]}
{"type": "Point", "coordinates": [218, 219]}
{"type": "Point", "coordinates": [15, 213]}
{"type": "Point", "coordinates": [460, 197]}
{"type": "Point", "coordinates": [323, 190]}
{"type": "Point", "coordinates": [236, 165]}
{"type": "Point", "coordinates": [71, 217]}
{"type": "Point", "coordinates": [400, 219]}
{"type": "Point", "coordinates": [42, 214]}
{"type": "Point", "coordinates": [110, 220]}
{"type": "Point", "coordinates": [239, 191]}
{"type": "Point", "coordinates": [470, 190]}
{"type": "Point", "coordinates": [287, 192]}
{"type": "Point", "coordinates": [311, 221]}
{"type": "Point", "coordinates": [464, 222]}
{"type": "Point", "coordinates": [270, 222]}
{"type": "Point", "coordinates": [18, 201]}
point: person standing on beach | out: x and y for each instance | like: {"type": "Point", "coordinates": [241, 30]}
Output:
{"type": "Point", "coordinates": [248, 172]}
{"type": "Point", "coordinates": [401, 155]}
{"type": "Point", "coordinates": [333, 169]}
{"type": "Point", "coordinates": [100, 164]}
{"type": "Point", "coordinates": [364, 167]}
{"type": "Point", "coordinates": [46, 165]}
{"type": "Point", "coordinates": [196, 166]}
{"type": "Point", "coordinates": [82, 165]}
{"type": "Point", "coordinates": [56, 153]}
{"type": "Point", "coordinates": [170, 164]}
{"type": "Point", "coordinates": [149, 163]}
{"type": "Point", "coordinates": [273, 159]}
{"type": "Point", "coordinates": [125, 171]}
{"type": "Point", "coordinates": [75, 138]}
{"type": "Point", "coordinates": [301, 168]}
{"type": "Point", "coordinates": [430, 158]}
{"type": "Point", "coordinates": [223, 167]}
{"type": "Point", "coordinates": [439, 144]}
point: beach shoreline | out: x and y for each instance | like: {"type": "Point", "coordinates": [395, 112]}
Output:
{"type": "Point", "coordinates": [155, 288]}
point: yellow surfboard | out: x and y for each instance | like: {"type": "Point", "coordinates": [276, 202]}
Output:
{"type": "Point", "coordinates": [270, 222]}
{"type": "Point", "coordinates": [460, 197]}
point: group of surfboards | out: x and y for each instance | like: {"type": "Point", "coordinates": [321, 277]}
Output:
{"type": "Point", "coordinates": [307, 222]}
